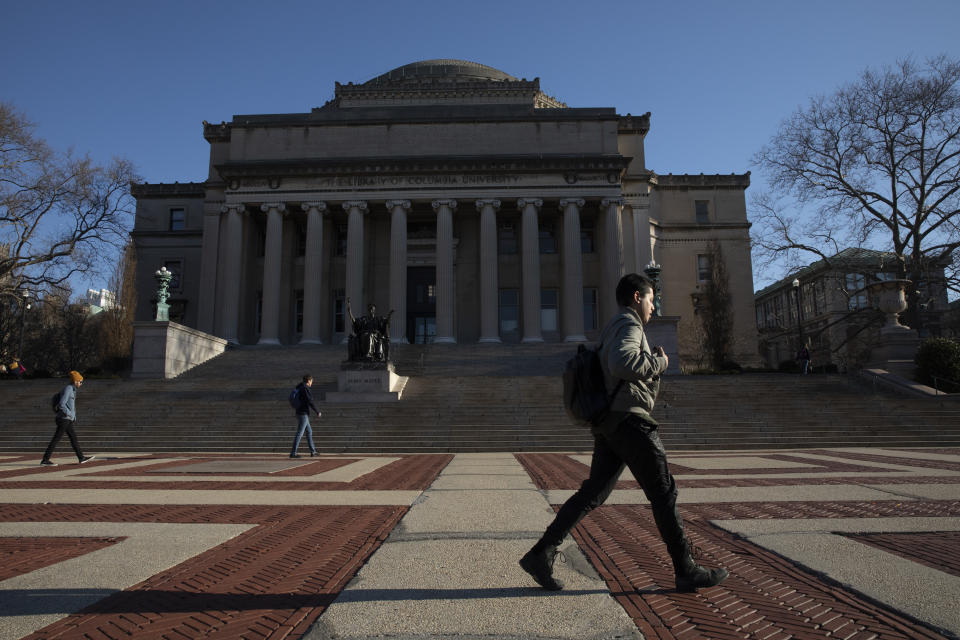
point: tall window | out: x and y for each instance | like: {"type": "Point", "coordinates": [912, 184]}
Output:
{"type": "Point", "coordinates": [509, 311]}
{"type": "Point", "coordinates": [548, 239]}
{"type": "Point", "coordinates": [703, 268]}
{"type": "Point", "coordinates": [506, 238]}
{"type": "Point", "coordinates": [548, 309]}
{"type": "Point", "coordinates": [339, 300]}
{"type": "Point", "coordinates": [590, 307]}
{"type": "Point", "coordinates": [702, 211]}
{"type": "Point", "coordinates": [854, 284]}
{"type": "Point", "coordinates": [298, 310]}
{"type": "Point", "coordinates": [341, 238]}
{"type": "Point", "coordinates": [178, 219]}
{"type": "Point", "coordinates": [586, 236]}
{"type": "Point", "coordinates": [176, 268]}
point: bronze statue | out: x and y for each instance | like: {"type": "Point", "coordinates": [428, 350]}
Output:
{"type": "Point", "coordinates": [370, 341]}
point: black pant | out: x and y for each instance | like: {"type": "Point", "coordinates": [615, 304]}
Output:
{"type": "Point", "coordinates": [63, 424]}
{"type": "Point", "coordinates": [634, 444]}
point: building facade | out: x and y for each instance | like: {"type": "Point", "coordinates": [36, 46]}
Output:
{"type": "Point", "coordinates": [469, 202]}
{"type": "Point", "coordinates": [827, 306]}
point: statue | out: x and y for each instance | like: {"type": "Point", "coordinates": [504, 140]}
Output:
{"type": "Point", "coordinates": [370, 341]}
{"type": "Point", "coordinates": [163, 277]}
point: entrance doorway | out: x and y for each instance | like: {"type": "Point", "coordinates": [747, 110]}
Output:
{"type": "Point", "coordinates": [421, 304]}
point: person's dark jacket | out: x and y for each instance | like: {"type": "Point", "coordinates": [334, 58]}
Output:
{"type": "Point", "coordinates": [305, 398]}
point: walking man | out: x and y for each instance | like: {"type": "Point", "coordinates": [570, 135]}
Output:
{"type": "Point", "coordinates": [66, 417]}
{"type": "Point", "coordinates": [627, 436]}
{"type": "Point", "coordinates": [304, 406]}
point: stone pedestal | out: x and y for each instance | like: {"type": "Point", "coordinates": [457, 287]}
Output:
{"type": "Point", "coordinates": [895, 351]}
{"type": "Point", "coordinates": [367, 382]}
{"type": "Point", "coordinates": [662, 331]}
{"type": "Point", "coordinates": [163, 350]}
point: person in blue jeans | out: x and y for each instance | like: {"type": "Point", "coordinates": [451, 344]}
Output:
{"type": "Point", "coordinates": [305, 405]}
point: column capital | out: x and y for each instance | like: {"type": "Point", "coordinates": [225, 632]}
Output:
{"type": "Point", "coordinates": [354, 204]}
{"type": "Point", "coordinates": [606, 202]}
{"type": "Point", "coordinates": [239, 208]}
{"type": "Point", "coordinates": [436, 204]}
{"type": "Point", "coordinates": [403, 204]}
{"type": "Point", "coordinates": [579, 202]}
{"type": "Point", "coordinates": [266, 207]}
{"type": "Point", "coordinates": [309, 206]}
{"type": "Point", "coordinates": [523, 202]}
{"type": "Point", "coordinates": [480, 204]}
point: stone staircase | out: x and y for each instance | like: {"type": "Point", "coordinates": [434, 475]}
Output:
{"type": "Point", "coordinates": [458, 398]}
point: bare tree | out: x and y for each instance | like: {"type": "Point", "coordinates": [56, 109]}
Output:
{"type": "Point", "coordinates": [60, 215]}
{"type": "Point", "coordinates": [878, 163]}
{"type": "Point", "coordinates": [116, 328]}
{"type": "Point", "coordinates": [716, 311]}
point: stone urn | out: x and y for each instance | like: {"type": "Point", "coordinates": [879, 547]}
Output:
{"type": "Point", "coordinates": [890, 296]}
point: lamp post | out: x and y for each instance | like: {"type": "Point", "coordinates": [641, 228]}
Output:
{"type": "Point", "coordinates": [653, 271]}
{"type": "Point", "coordinates": [24, 307]}
{"type": "Point", "coordinates": [163, 293]}
{"type": "Point", "coordinates": [796, 294]}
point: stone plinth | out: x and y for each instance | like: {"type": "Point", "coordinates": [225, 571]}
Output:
{"type": "Point", "coordinates": [662, 331]}
{"type": "Point", "coordinates": [166, 349]}
{"type": "Point", "coordinates": [895, 350]}
{"type": "Point", "coordinates": [367, 382]}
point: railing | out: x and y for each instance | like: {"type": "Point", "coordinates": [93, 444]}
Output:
{"type": "Point", "coordinates": [937, 380]}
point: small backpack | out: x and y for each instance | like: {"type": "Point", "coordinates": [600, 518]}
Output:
{"type": "Point", "coordinates": [294, 398]}
{"type": "Point", "coordinates": [584, 391]}
{"type": "Point", "coordinates": [55, 402]}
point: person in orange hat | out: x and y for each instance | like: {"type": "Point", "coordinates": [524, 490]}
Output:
{"type": "Point", "coordinates": [66, 417]}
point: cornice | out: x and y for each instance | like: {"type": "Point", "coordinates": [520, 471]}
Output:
{"type": "Point", "coordinates": [216, 132]}
{"type": "Point", "coordinates": [152, 190]}
{"type": "Point", "coordinates": [716, 180]}
{"type": "Point", "coordinates": [634, 124]}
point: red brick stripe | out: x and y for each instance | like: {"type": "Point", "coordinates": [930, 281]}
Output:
{"type": "Point", "coordinates": [23, 555]}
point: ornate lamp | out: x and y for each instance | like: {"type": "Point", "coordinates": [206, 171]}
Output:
{"type": "Point", "coordinates": [163, 277]}
{"type": "Point", "coordinates": [653, 271]}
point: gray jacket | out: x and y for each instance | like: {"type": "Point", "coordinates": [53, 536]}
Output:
{"type": "Point", "coordinates": [625, 355]}
{"type": "Point", "coordinates": [67, 408]}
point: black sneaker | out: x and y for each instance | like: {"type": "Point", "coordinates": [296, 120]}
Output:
{"type": "Point", "coordinates": [700, 578]}
{"type": "Point", "coordinates": [294, 455]}
{"type": "Point", "coordinates": [86, 459]}
{"type": "Point", "coordinates": [539, 564]}
{"type": "Point", "coordinates": [314, 454]}
{"type": "Point", "coordinates": [47, 463]}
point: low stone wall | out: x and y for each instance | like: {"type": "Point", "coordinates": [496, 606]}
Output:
{"type": "Point", "coordinates": [662, 331]}
{"type": "Point", "coordinates": [166, 349]}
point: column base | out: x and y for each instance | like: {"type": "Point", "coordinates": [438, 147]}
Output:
{"type": "Point", "coordinates": [575, 339]}
{"type": "Point", "coordinates": [444, 340]}
{"type": "Point", "coordinates": [494, 340]}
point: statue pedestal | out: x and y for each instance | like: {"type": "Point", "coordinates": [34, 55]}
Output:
{"type": "Point", "coordinates": [895, 351]}
{"type": "Point", "coordinates": [367, 382]}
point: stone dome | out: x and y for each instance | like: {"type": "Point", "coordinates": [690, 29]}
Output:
{"type": "Point", "coordinates": [441, 69]}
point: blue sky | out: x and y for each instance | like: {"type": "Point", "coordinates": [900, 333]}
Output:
{"type": "Point", "coordinates": [136, 79]}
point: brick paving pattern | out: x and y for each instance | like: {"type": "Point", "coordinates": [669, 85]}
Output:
{"type": "Point", "coordinates": [23, 555]}
{"type": "Point", "coordinates": [273, 581]}
{"type": "Point", "coordinates": [934, 550]}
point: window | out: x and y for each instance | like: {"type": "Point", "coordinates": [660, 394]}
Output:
{"type": "Point", "coordinates": [426, 293]}
{"type": "Point", "coordinates": [424, 330]}
{"type": "Point", "coordinates": [586, 236]}
{"type": "Point", "coordinates": [590, 307]}
{"type": "Point", "coordinates": [178, 219]}
{"type": "Point", "coordinates": [509, 311]}
{"type": "Point", "coordinates": [703, 268]}
{"type": "Point", "coordinates": [702, 211]}
{"type": "Point", "coordinates": [855, 282]}
{"type": "Point", "coordinates": [341, 238]}
{"type": "Point", "coordinates": [548, 309]}
{"type": "Point", "coordinates": [548, 239]}
{"type": "Point", "coordinates": [176, 268]}
{"type": "Point", "coordinates": [298, 310]}
{"type": "Point", "coordinates": [506, 238]}
{"type": "Point", "coordinates": [339, 300]}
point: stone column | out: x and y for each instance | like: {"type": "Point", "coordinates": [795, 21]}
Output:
{"type": "Point", "coordinates": [530, 269]}
{"type": "Point", "coordinates": [612, 266]}
{"type": "Point", "coordinates": [313, 273]}
{"type": "Point", "coordinates": [209, 259]}
{"type": "Point", "coordinates": [354, 276]}
{"type": "Point", "coordinates": [444, 209]}
{"type": "Point", "coordinates": [489, 304]}
{"type": "Point", "coordinates": [398, 269]}
{"type": "Point", "coordinates": [231, 272]}
{"type": "Point", "coordinates": [572, 271]}
{"type": "Point", "coordinates": [272, 255]}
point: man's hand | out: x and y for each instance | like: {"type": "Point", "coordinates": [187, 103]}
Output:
{"type": "Point", "coordinates": [658, 351]}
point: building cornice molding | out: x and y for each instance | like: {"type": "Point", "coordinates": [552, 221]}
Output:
{"type": "Point", "coordinates": [161, 189]}
{"type": "Point", "coordinates": [703, 181]}
{"type": "Point", "coordinates": [634, 124]}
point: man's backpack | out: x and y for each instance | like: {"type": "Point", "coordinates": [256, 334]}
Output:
{"type": "Point", "coordinates": [294, 399]}
{"type": "Point", "coordinates": [55, 402]}
{"type": "Point", "coordinates": [585, 394]}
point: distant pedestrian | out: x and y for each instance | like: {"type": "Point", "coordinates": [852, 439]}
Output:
{"type": "Point", "coordinates": [304, 406]}
{"type": "Point", "coordinates": [16, 368]}
{"type": "Point", "coordinates": [803, 357]}
{"type": "Point", "coordinates": [66, 418]}
{"type": "Point", "coordinates": [627, 437]}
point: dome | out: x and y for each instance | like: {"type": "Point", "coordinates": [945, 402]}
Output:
{"type": "Point", "coordinates": [446, 69]}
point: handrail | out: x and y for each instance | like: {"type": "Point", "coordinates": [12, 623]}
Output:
{"type": "Point", "coordinates": [937, 388]}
